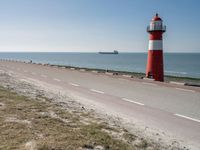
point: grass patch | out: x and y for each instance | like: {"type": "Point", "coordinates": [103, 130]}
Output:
{"type": "Point", "coordinates": [42, 125]}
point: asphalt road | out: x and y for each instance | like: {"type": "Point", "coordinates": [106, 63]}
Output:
{"type": "Point", "coordinates": [173, 109]}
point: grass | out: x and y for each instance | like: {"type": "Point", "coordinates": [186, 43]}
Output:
{"type": "Point", "coordinates": [42, 125]}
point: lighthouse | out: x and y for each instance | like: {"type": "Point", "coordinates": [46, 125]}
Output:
{"type": "Point", "coordinates": [155, 66]}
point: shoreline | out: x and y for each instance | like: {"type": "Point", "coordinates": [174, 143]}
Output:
{"type": "Point", "coordinates": [184, 80]}
{"type": "Point", "coordinates": [188, 81]}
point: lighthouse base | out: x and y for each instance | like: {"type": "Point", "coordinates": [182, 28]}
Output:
{"type": "Point", "coordinates": [155, 69]}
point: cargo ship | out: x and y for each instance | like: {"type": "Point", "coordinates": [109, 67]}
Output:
{"type": "Point", "coordinates": [114, 52]}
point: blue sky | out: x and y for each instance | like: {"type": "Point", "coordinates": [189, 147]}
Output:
{"type": "Point", "coordinates": [96, 25]}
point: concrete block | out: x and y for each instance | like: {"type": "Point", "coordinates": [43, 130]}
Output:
{"type": "Point", "coordinates": [82, 70]}
{"type": "Point", "coordinates": [127, 76]}
{"type": "Point", "coordinates": [149, 79]}
{"type": "Point", "coordinates": [177, 83]}
{"type": "Point", "coordinates": [94, 71]}
{"type": "Point", "coordinates": [109, 73]}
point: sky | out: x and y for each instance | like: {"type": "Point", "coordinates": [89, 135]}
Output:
{"type": "Point", "coordinates": [96, 25]}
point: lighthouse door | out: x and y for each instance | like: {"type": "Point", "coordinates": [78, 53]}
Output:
{"type": "Point", "coordinates": [150, 75]}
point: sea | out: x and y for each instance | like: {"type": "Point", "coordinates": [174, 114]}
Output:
{"type": "Point", "coordinates": [175, 64]}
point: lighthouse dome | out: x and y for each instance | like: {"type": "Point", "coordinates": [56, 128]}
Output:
{"type": "Point", "coordinates": [156, 24]}
{"type": "Point", "coordinates": [156, 18]}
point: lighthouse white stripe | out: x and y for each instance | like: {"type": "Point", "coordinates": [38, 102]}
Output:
{"type": "Point", "coordinates": [131, 101]}
{"type": "Point", "coordinates": [155, 45]}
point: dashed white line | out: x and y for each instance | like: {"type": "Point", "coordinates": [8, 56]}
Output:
{"type": "Point", "coordinates": [11, 72]}
{"type": "Point", "coordinates": [131, 101]}
{"type": "Point", "coordinates": [73, 84]}
{"type": "Point", "coordinates": [149, 83]}
{"type": "Point", "coordinates": [1, 70]}
{"type": "Point", "coordinates": [97, 91]}
{"type": "Point", "coordinates": [189, 118]}
{"type": "Point", "coordinates": [33, 73]}
{"type": "Point", "coordinates": [44, 76]}
{"type": "Point", "coordinates": [56, 79]}
{"type": "Point", "coordinates": [186, 90]}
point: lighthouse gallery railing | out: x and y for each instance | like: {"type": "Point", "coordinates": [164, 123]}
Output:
{"type": "Point", "coordinates": [156, 28]}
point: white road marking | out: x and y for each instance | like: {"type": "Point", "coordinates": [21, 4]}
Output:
{"type": "Point", "coordinates": [2, 71]}
{"type": "Point", "coordinates": [33, 73]}
{"type": "Point", "coordinates": [11, 72]}
{"type": "Point", "coordinates": [149, 83]}
{"type": "Point", "coordinates": [182, 116]}
{"type": "Point", "coordinates": [25, 71]}
{"type": "Point", "coordinates": [97, 91]}
{"type": "Point", "coordinates": [56, 79]}
{"type": "Point", "coordinates": [23, 80]}
{"type": "Point", "coordinates": [73, 84]}
{"type": "Point", "coordinates": [185, 90]}
{"type": "Point", "coordinates": [44, 76]}
{"type": "Point", "coordinates": [131, 101]}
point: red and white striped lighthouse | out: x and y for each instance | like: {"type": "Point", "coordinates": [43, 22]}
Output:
{"type": "Point", "coordinates": [155, 67]}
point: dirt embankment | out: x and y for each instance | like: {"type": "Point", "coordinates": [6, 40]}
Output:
{"type": "Point", "coordinates": [32, 118]}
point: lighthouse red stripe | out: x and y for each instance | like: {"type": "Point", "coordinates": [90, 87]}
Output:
{"type": "Point", "coordinates": [156, 35]}
{"type": "Point", "coordinates": [155, 65]}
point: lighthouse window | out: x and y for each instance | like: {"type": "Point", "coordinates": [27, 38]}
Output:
{"type": "Point", "coordinates": [152, 26]}
{"type": "Point", "coordinates": [156, 25]}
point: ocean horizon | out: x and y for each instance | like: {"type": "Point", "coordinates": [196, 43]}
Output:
{"type": "Point", "coordinates": [175, 64]}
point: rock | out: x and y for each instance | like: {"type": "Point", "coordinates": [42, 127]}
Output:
{"type": "Point", "coordinates": [31, 145]}
{"type": "Point", "coordinates": [99, 147]}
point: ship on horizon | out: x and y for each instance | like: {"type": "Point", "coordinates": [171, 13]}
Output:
{"type": "Point", "coordinates": [114, 52]}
